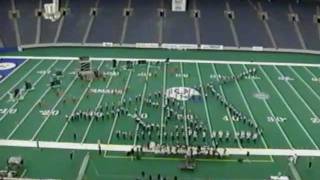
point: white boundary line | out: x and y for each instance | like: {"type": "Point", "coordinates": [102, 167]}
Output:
{"type": "Point", "coordinates": [34, 105]}
{"type": "Point", "coordinates": [272, 114]}
{"type": "Point", "coordinates": [248, 107]}
{"type": "Point", "coordinates": [57, 103]}
{"type": "Point", "coordinates": [75, 107]}
{"type": "Point", "coordinates": [127, 148]}
{"type": "Point", "coordinates": [97, 106]}
{"type": "Point", "coordinates": [204, 101]}
{"type": "Point", "coordinates": [228, 112]}
{"type": "Point", "coordinates": [22, 78]}
{"type": "Point", "coordinates": [163, 99]}
{"type": "Point", "coordinates": [184, 107]}
{"type": "Point", "coordinates": [296, 92]}
{"type": "Point", "coordinates": [35, 83]}
{"type": "Point", "coordinates": [213, 61]}
{"type": "Point", "coordinates": [305, 83]}
{"type": "Point", "coordinates": [116, 117]}
{"type": "Point", "coordinates": [141, 104]}
{"type": "Point", "coordinates": [289, 108]}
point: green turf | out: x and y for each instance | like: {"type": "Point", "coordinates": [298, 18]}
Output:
{"type": "Point", "coordinates": [296, 100]}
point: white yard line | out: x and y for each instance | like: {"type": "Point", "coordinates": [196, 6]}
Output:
{"type": "Point", "coordinates": [289, 108]}
{"type": "Point", "coordinates": [248, 107]}
{"type": "Point", "coordinates": [127, 148]}
{"type": "Point", "coordinates": [184, 108]}
{"type": "Point", "coordinates": [23, 173]}
{"type": "Point", "coordinates": [22, 78]}
{"type": "Point", "coordinates": [116, 117]}
{"type": "Point", "coordinates": [97, 106]}
{"type": "Point", "coordinates": [13, 71]}
{"type": "Point", "coordinates": [28, 113]}
{"type": "Point", "coordinates": [141, 104]}
{"type": "Point", "coordinates": [271, 112]}
{"type": "Point", "coordinates": [228, 112]}
{"type": "Point", "coordinates": [34, 105]}
{"type": "Point", "coordinates": [212, 61]}
{"type": "Point", "coordinates": [163, 99]}
{"type": "Point", "coordinates": [76, 107]}
{"type": "Point", "coordinates": [310, 72]}
{"type": "Point", "coordinates": [57, 103]}
{"type": "Point", "coordinates": [34, 84]}
{"type": "Point", "coordinates": [305, 83]}
{"type": "Point", "coordinates": [204, 100]}
{"type": "Point", "coordinates": [298, 94]}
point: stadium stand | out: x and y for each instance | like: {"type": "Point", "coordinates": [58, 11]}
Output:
{"type": "Point", "coordinates": [27, 20]}
{"type": "Point", "coordinates": [76, 20]}
{"type": "Point", "coordinates": [7, 33]}
{"type": "Point", "coordinates": [107, 26]}
{"type": "Point", "coordinates": [282, 29]}
{"type": "Point", "coordinates": [214, 29]}
{"type": "Point", "coordinates": [145, 31]}
{"type": "Point", "coordinates": [126, 22]}
{"type": "Point", "coordinates": [49, 28]}
{"type": "Point", "coordinates": [178, 26]}
{"type": "Point", "coordinates": [307, 24]}
{"type": "Point", "coordinates": [244, 12]}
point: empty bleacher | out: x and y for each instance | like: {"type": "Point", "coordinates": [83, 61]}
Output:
{"type": "Point", "coordinates": [49, 28]}
{"type": "Point", "coordinates": [254, 33]}
{"type": "Point", "coordinates": [76, 20]}
{"type": "Point", "coordinates": [139, 21]}
{"type": "Point", "coordinates": [214, 28]}
{"type": "Point", "coordinates": [282, 29]}
{"type": "Point", "coordinates": [7, 32]}
{"type": "Point", "coordinates": [308, 27]}
{"type": "Point", "coordinates": [27, 20]}
{"type": "Point", "coordinates": [107, 26]}
{"type": "Point", "coordinates": [178, 27]}
{"type": "Point", "coordinates": [143, 23]}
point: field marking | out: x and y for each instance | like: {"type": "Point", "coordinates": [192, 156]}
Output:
{"type": "Point", "coordinates": [272, 114]}
{"type": "Point", "coordinates": [305, 83]}
{"type": "Point", "coordinates": [20, 65]}
{"type": "Point", "coordinates": [57, 103]}
{"type": "Point", "coordinates": [22, 78]}
{"type": "Point", "coordinates": [184, 109]}
{"type": "Point", "coordinates": [92, 118]}
{"type": "Point", "coordinates": [291, 111]}
{"type": "Point", "coordinates": [212, 61]}
{"type": "Point", "coordinates": [141, 104]}
{"type": "Point", "coordinates": [204, 101]}
{"type": "Point", "coordinates": [28, 113]}
{"type": "Point", "coordinates": [248, 107]}
{"type": "Point", "coordinates": [298, 94]}
{"type": "Point", "coordinates": [35, 83]}
{"type": "Point", "coordinates": [116, 117]}
{"type": "Point", "coordinates": [34, 105]}
{"type": "Point", "coordinates": [310, 72]}
{"type": "Point", "coordinates": [163, 99]}
{"type": "Point", "coordinates": [75, 107]}
{"type": "Point", "coordinates": [228, 111]}
{"type": "Point", "coordinates": [229, 152]}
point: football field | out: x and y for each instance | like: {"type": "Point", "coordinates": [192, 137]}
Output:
{"type": "Point", "coordinates": [255, 114]}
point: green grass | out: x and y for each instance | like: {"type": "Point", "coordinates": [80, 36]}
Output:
{"type": "Point", "coordinates": [296, 100]}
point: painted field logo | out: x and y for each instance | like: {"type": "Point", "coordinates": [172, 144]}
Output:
{"type": "Point", "coordinates": [7, 66]}
{"type": "Point", "coordinates": [261, 95]}
{"type": "Point", "coordinates": [181, 93]}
